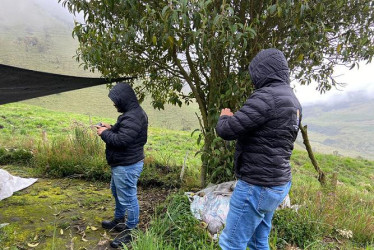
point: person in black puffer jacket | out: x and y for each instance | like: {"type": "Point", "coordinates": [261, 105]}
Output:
{"type": "Point", "coordinates": [265, 129]}
{"type": "Point", "coordinates": [125, 142]}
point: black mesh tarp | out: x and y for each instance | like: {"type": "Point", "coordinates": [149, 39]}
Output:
{"type": "Point", "coordinates": [17, 84]}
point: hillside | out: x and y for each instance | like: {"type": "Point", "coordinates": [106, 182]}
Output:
{"type": "Point", "coordinates": [342, 127]}
{"type": "Point", "coordinates": [36, 35]}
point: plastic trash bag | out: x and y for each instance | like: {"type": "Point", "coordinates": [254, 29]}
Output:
{"type": "Point", "coordinates": [211, 205]}
{"type": "Point", "coordinates": [10, 184]}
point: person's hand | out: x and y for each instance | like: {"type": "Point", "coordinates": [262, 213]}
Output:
{"type": "Point", "coordinates": [106, 125]}
{"type": "Point", "coordinates": [226, 111]}
{"type": "Point", "coordinates": [100, 130]}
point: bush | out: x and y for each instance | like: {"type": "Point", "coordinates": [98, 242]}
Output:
{"type": "Point", "coordinates": [156, 173]}
{"type": "Point", "coordinates": [15, 156]}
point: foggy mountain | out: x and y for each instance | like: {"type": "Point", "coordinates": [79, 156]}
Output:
{"type": "Point", "coordinates": [37, 35]}
{"type": "Point", "coordinates": [343, 125]}
{"type": "Point", "coordinates": [34, 15]}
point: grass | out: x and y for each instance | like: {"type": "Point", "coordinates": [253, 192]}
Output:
{"type": "Point", "coordinates": [95, 101]}
{"type": "Point", "coordinates": [65, 144]}
{"type": "Point", "coordinates": [71, 148]}
{"type": "Point", "coordinates": [52, 136]}
{"type": "Point", "coordinates": [174, 227]}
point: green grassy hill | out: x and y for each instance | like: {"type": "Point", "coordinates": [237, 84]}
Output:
{"type": "Point", "coordinates": [42, 41]}
{"type": "Point", "coordinates": [340, 129]}
{"type": "Point", "coordinates": [94, 101]}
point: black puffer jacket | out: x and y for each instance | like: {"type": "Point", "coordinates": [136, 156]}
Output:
{"type": "Point", "coordinates": [267, 125]}
{"type": "Point", "coordinates": [126, 139]}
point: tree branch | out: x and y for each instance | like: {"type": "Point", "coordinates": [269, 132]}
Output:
{"type": "Point", "coordinates": [321, 175]}
{"type": "Point", "coordinates": [200, 99]}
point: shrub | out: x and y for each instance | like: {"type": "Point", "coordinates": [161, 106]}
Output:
{"type": "Point", "coordinates": [15, 156]}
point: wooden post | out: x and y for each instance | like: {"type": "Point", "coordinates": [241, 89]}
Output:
{"type": "Point", "coordinates": [321, 175]}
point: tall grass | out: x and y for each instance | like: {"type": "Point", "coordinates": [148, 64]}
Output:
{"type": "Point", "coordinates": [81, 153]}
{"type": "Point", "coordinates": [324, 213]}
{"type": "Point", "coordinates": [176, 228]}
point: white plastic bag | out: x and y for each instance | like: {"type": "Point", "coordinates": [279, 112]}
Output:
{"type": "Point", "coordinates": [211, 205]}
{"type": "Point", "coordinates": [10, 184]}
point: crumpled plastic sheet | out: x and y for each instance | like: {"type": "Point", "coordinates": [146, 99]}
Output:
{"type": "Point", "coordinates": [10, 184]}
{"type": "Point", "coordinates": [211, 205]}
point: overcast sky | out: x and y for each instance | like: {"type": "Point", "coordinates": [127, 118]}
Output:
{"type": "Point", "coordinates": [361, 79]}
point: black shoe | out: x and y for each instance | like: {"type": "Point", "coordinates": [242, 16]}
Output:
{"type": "Point", "coordinates": [116, 224]}
{"type": "Point", "coordinates": [123, 238]}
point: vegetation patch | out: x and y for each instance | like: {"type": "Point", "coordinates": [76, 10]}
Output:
{"type": "Point", "coordinates": [174, 227]}
{"type": "Point", "coordinates": [71, 209]}
{"type": "Point", "coordinates": [65, 213]}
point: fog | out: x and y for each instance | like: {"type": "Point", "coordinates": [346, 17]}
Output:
{"type": "Point", "coordinates": [37, 14]}
{"type": "Point", "coordinates": [357, 82]}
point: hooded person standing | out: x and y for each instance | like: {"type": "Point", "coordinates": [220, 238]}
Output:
{"type": "Point", "coordinates": [265, 129]}
{"type": "Point", "coordinates": [125, 142]}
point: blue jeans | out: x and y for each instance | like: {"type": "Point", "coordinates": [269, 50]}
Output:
{"type": "Point", "coordinates": [251, 210]}
{"type": "Point", "coordinates": [124, 189]}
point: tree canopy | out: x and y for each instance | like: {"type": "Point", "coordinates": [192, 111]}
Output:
{"type": "Point", "coordinates": [208, 45]}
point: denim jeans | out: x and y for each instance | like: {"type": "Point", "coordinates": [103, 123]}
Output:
{"type": "Point", "coordinates": [124, 189]}
{"type": "Point", "coordinates": [251, 210]}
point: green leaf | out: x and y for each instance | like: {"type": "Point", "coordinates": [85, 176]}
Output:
{"type": "Point", "coordinates": [164, 10]}
{"type": "Point", "coordinates": [300, 58]}
{"type": "Point", "coordinates": [193, 132]}
{"type": "Point", "coordinates": [272, 9]}
{"type": "Point", "coordinates": [279, 11]}
{"type": "Point", "coordinates": [338, 48]}
{"type": "Point", "coordinates": [199, 139]}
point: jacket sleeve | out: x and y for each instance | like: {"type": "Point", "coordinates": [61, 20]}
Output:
{"type": "Point", "coordinates": [256, 111]}
{"type": "Point", "coordinates": [128, 131]}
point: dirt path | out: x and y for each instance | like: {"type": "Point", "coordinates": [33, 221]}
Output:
{"type": "Point", "coordinates": [66, 214]}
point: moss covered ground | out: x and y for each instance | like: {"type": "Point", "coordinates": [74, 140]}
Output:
{"type": "Point", "coordinates": [64, 213]}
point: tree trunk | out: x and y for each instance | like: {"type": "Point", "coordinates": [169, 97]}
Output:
{"type": "Point", "coordinates": [204, 167]}
{"type": "Point", "coordinates": [321, 175]}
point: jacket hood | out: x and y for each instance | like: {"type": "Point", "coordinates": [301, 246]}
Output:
{"type": "Point", "coordinates": [268, 67]}
{"type": "Point", "coordinates": [123, 96]}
